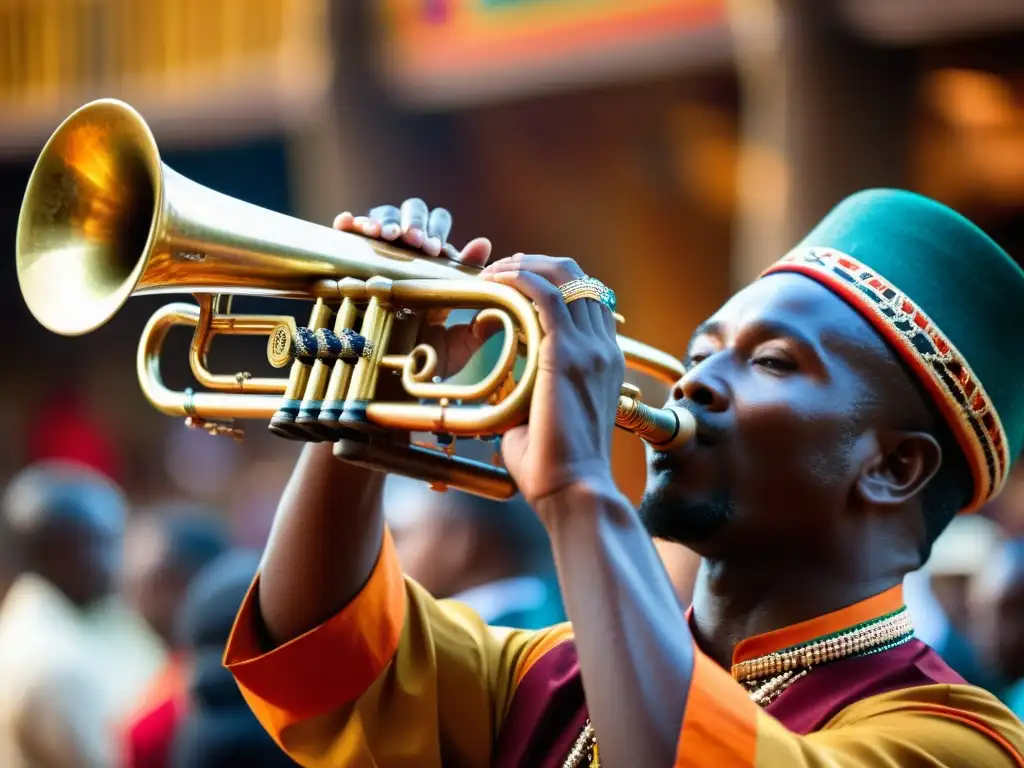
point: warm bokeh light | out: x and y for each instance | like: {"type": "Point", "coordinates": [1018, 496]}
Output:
{"type": "Point", "coordinates": [971, 99]}
{"type": "Point", "coordinates": [971, 147]}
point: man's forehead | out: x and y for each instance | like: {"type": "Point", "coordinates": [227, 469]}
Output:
{"type": "Point", "coordinates": [777, 294]}
{"type": "Point", "coordinates": [793, 299]}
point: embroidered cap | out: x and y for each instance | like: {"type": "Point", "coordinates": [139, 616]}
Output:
{"type": "Point", "coordinates": [948, 299]}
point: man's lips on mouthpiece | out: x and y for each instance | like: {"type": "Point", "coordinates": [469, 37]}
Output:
{"type": "Point", "coordinates": [705, 436]}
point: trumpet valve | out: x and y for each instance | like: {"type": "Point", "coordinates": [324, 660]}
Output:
{"type": "Point", "coordinates": [288, 343]}
{"type": "Point", "coordinates": [279, 344]}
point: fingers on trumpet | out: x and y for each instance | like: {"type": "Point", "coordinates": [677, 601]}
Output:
{"type": "Point", "coordinates": [386, 218]}
{"type": "Point", "coordinates": [415, 225]}
{"type": "Point", "coordinates": [476, 253]}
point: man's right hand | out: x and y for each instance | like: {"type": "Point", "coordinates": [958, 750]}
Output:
{"type": "Point", "coordinates": [415, 226]}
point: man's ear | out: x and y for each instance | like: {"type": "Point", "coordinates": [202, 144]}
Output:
{"type": "Point", "coordinates": [904, 464]}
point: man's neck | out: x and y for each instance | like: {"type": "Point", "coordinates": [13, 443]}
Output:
{"type": "Point", "coordinates": [732, 602]}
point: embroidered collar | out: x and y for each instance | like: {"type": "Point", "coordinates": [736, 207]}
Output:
{"type": "Point", "coordinates": [796, 634]}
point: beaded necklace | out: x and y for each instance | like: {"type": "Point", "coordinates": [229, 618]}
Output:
{"type": "Point", "coordinates": [585, 748]}
{"type": "Point", "coordinates": [766, 677]}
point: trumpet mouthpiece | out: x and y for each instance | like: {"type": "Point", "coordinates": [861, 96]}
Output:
{"type": "Point", "coordinates": [661, 428]}
{"type": "Point", "coordinates": [686, 428]}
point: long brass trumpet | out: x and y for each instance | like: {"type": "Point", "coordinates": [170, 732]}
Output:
{"type": "Point", "coordinates": [103, 219]}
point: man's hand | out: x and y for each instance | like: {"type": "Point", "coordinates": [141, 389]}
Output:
{"type": "Point", "coordinates": [417, 227]}
{"type": "Point", "coordinates": [567, 441]}
{"type": "Point", "coordinates": [609, 572]}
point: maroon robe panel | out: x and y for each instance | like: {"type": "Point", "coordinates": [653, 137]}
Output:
{"type": "Point", "coordinates": [547, 714]}
{"type": "Point", "coordinates": [815, 699]}
{"type": "Point", "coordinates": [548, 710]}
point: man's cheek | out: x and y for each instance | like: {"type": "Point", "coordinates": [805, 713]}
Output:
{"type": "Point", "coordinates": [770, 431]}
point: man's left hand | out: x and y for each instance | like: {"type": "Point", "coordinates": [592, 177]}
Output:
{"type": "Point", "coordinates": [567, 441]}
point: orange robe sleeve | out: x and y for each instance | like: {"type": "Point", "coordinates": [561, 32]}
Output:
{"type": "Point", "coordinates": [395, 678]}
{"type": "Point", "coordinates": [934, 725]}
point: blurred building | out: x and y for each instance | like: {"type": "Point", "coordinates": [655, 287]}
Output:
{"type": "Point", "coordinates": [674, 147]}
{"type": "Point", "coordinates": [223, 83]}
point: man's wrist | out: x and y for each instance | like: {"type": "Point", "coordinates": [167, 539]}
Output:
{"type": "Point", "coordinates": [588, 497]}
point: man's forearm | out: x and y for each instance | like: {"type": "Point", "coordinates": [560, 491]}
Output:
{"type": "Point", "coordinates": [323, 545]}
{"type": "Point", "coordinates": [634, 645]}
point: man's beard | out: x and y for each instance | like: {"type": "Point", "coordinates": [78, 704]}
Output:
{"type": "Point", "coordinates": [683, 521]}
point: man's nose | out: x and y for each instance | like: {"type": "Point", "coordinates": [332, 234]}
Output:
{"type": "Point", "coordinates": [702, 387]}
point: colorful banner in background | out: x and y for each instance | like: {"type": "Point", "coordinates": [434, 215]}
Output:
{"type": "Point", "coordinates": [435, 39]}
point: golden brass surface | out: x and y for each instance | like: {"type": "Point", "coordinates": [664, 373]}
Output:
{"type": "Point", "coordinates": [341, 372]}
{"type": "Point", "coordinates": [103, 219]}
{"type": "Point", "coordinates": [209, 326]}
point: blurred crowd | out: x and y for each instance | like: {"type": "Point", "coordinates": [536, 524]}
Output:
{"type": "Point", "coordinates": [114, 615]}
{"type": "Point", "coordinates": [112, 625]}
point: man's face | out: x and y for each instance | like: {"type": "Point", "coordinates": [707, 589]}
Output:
{"type": "Point", "coordinates": [778, 380]}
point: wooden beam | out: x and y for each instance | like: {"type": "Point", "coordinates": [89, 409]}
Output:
{"type": "Point", "coordinates": [907, 22]}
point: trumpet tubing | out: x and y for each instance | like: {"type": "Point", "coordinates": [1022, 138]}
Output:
{"type": "Point", "coordinates": [103, 219]}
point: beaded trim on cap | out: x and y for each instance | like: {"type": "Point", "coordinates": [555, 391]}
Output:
{"type": "Point", "coordinates": [766, 677]}
{"type": "Point", "coordinates": [941, 368]}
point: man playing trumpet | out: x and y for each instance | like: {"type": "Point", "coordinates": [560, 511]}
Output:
{"type": "Point", "coordinates": [850, 402]}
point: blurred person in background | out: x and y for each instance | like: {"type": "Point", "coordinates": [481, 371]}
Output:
{"type": "Point", "coordinates": [219, 730]}
{"type": "Point", "coordinates": [253, 498]}
{"type": "Point", "coordinates": [958, 556]}
{"type": "Point", "coordinates": [63, 429]}
{"type": "Point", "coordinates": [73, 658]}
{"type": "Point", "coordinates": [841, 424]}
{"type": "Point", "coordinates": [1008, 509]}
{"type": "Point", "coordinates": [936, 597]}
{"type": "Point", "coordinates": [165, 548]}
{"type": "Point", "coordinates": [8, 561]}
{"type": "Point", "coordinates": [489, 555]}
{"type": "Point", "coordinates": [996, 600]}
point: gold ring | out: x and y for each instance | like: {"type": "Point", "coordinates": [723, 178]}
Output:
{"type": "Point", "coordinates": [588, 288]}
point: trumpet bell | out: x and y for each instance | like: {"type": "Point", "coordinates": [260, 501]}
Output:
{"type": "Point", "coordinates": [87, 218]}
